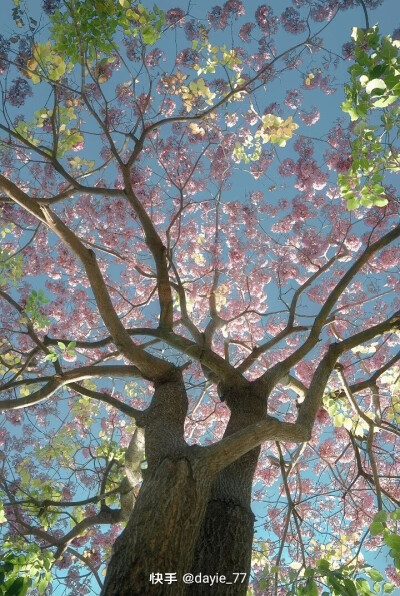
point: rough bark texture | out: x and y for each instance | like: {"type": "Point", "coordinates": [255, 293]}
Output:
{"type": "Point", "coordinates": [160, 536]}
{"type": "Point", "coordinates": [185, 520]}
{"type": "Point", "coordinates": [225, 541]}
{"type": "Point", "coordinates": [161, 533]}
{"type": "Point", "coordinates": [224, 548]}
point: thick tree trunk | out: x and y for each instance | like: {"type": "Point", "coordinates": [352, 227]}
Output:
{"type": "Point", "coordinates": [160, 537]}
{"type": "Point", "coordinates": [185, 520]}
{"type": "Point", "coordinates": [226, 536]}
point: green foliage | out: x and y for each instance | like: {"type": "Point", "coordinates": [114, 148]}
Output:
{"type": "Point", "coordinates": [332, 573]}
{"type": "Point", "coordinates": [195, 90]}
{"type": "Point", "coordinates": [21, 571]}
{"type": "Point", "coordinates": [45, 63]}
{"type": "Point", "coordinates": [52, 356]}
{"type": "Point", "coordinates": [213, 56]}
{"type": "Point", "coordinates": [145, 23]}
{"type": "Point", "coordinates": [374, 85]}
{"type": "Point", "coordinates": [273, 129]}
{"type": "Point", "coordinates": [391, 379]}
{"type": "Point", "coordinates": [343, 581]}
{"type": "Point", "coordinates": [343, 415]}
{"type": "Point", "coordinates": [68, 351]}
{"type": "Point", "coordinates": [67, 137]}
{"type": "Point", "coordinates": [86, 28]}
{"type": "Point", "coordinates": [386, 525]}
{"type": "Point", "coordinates": [11, 267]}
{"type": "Point", "coordinates": [3, 518]}
{"type": "Point", "coordinates": [83, 30]}
{"type": "Point", "coordinates": [34, 302]}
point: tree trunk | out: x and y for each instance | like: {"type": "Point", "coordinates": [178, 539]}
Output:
{"type": "Point", "coordinates": [226, 536]}
{"type": "Point", "coordinates": [161, 534]}
{"type": "Point", "coordinates": [185, 520]}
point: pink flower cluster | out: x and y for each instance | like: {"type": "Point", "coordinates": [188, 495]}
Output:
{"type": "Point", "coordinates": [175, 17]}
{"type": "Point", "coordinates": [266, 20]}
{"type": "Point", "coordinates": [292, 21]}
{"type": "Point", "coordinates": [219, 15]}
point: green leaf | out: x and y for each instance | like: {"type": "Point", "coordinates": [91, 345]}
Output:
{"type": "Point", "coordinates": [42, 585]}
{"type": "Point", "coordinates": [383, 102]}
{"type": "Point", "coordinates": [352, 203]}
{"type": "Point", "coordinates": [363, 587]}
{"type": "Point", "coordinates": [388, 588]}
{"type": "Point", "coordinates": [374, 575]}
{"type": "Point", "coordinates": [338, 420]}
{"type": "Point", "coordinates": [323, 564]}
{"type": "Point", "coordinates": [19, 587]}
{"type": "Point", "coordinates": [311, 588]}
{"type": "Point", "coordinates": [375, 84]}
{"type": "Point", "coordinates": [348, 424]}
{"type": "Point", "coordinates": [350, 587]}
{"type": "Point", "coordinates": [393, 541]}
{"type": "Point", "coordinates": [381, 516]}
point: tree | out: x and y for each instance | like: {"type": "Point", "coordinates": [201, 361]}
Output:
{"type": "Point", "coordinates": [168, 306]}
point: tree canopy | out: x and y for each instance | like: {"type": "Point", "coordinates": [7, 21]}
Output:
{"type": "Point", "coordinates": [199, 298]}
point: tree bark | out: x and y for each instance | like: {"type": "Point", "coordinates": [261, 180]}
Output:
{"type": "Point", "coordinates": [225, 540]}
{"type": "Point", "coordinates": [185, 520]}
{"type": "Point", "coordinates": [161, 534]}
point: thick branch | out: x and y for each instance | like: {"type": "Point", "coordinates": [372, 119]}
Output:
{"type": "Point", "coordinates": [280, 369]}
{"type": "Point", "coordinates": [150, 366]}
{"type": "Point", "coordinates": [312, 400]}
{"type": "Point", "coordinates": [66, 378]}
{"type": "Point", "coordinates": [137, 415]}
{"type": "Point", "coordinates": [159, 252]}
{"type": "Point", "coordinates": [229, 449]}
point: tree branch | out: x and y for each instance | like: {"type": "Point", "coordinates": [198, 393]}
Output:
{"type": "Point", "coordinates": [221, 454]}
{"type": "Point", "coordinates": [281, 368]}
{"type": "Point", "coordinates": [151, 367]}
{"type": "Point", "coordinates": [68, 378]}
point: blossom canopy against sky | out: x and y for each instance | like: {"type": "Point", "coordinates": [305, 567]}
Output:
{"type": "Point", "coordinates": [199, 219]}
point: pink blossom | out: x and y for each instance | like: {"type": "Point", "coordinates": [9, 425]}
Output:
{"type": "Point", "coordinates": [304, 147]}
{"type": "Point", "coordinates": [348, 50]}
{"type": "Point", "coordinates": [323, 416]}
{"type": "Point", "coordinates": [311, 117]}
{"type": "Point", "coordinates": [293, 98]}
{"type": "Point", "coordinates": [287, 167]}
{"type": "Point", "coordinates": [323, 11]}
{"type": "Point", "coordinates": [231, 119]}
{"type": "Point", "coordinates": [220, 166]}
{"type": "Point", "coordinates": [245, 32]}
{"type": "Point", "coordinates": [152, 59]}
{"type": "Point", "coordinates": [292, 22]}
{"type": "Point", "coordinates": [175, 17]}
{"type": "Point", "coordinates": [393, 575]}
{"type": "Point", "coordinates": [339, 161]}
{"type": "Point", "coordinates": [266, 20]}
{"type": "Point", "coordinates": [188, 58]}
{"type": "Point", "coordinates": [168, 107]}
